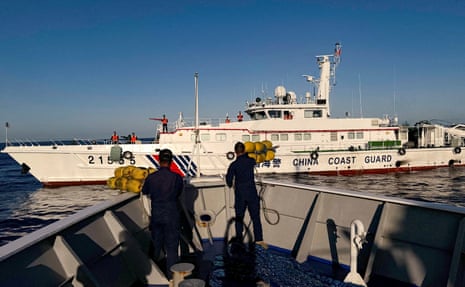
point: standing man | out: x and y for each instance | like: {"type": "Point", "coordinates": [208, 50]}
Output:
{"type": "Point", "coordinates": [114, 138]}
{"type": "Point", "coordinates": [133, 138]}
{"type": "Point", "coordinates": [164, 122]}
{"type": "Point", "coordinates": [241, 171]}
{"type": "Point", "coordinates": [164, 188]}
{"type": "Point", "coordinates": [240, 117]}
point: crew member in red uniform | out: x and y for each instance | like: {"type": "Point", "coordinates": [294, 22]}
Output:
{"type": "Point", "coordinates": [133, 138]}
{"type": "Point", "coordinates": [114, 138]}
{"type": "Point", "coordinates": [164, 122]}
{"type": "Point", "coordinates": [240, 117]}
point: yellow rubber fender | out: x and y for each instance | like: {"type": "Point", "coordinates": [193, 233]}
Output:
{"type": "Point", "coordinates": [269, 155]}
{"type": "Point", "coordinates": [111, 182]}
{"type": "Point", "coordinates": [139, 173]}
{"type": "Point", "coordinates": [249, 147]}
{"type": "Point", "coordinates": [119, 171]}
{"type": "Point", "coordinates": [121, 183]}
{"type": "Point", "coordinates": [259, 147]}
{"type": "Point", "coordinates": [260, 157]}
{"type": "Point", "coordinates": [151, 170]}
{"type": "Point", "coordinates": [268, 144]}
{"type": "Point", "coordinates": [127, 171]}
{"type": "Point", "coordinates": [134, 185]}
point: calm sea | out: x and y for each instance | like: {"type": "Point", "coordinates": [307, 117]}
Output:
{"type": "Point", "coordinates": [26, 206]}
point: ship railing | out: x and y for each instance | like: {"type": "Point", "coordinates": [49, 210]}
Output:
{"type": "Point", "coordinates": [187, 122]}
{"type": "Point", "coordinates": [54, 142]}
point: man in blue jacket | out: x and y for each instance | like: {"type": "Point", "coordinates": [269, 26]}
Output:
{"type": "Point", "coordinates": [164, 188]}
{"type": "Point", "coordinates": [241, 171]}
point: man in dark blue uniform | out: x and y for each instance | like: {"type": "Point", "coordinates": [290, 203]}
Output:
{"type": "Point", "coordinates": [164, 188]}
{"type": "Point", "coordinates": [245, 192]}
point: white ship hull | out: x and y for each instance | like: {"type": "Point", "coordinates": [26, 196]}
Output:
{"type": "Point", "coordinates": [76, 165]}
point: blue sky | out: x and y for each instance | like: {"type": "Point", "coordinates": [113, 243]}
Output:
{"type": "Point", "coordinates": [81, 69]}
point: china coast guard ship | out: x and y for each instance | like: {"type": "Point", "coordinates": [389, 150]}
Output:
{"type": "Point", "coordinates": [306, 139]}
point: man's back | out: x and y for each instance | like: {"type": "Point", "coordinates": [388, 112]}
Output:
{"type": "Point", "coordinates": [242, 172]}
{"type": "Point", "coordinates": [163, 186]}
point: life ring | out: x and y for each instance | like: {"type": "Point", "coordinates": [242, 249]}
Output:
{"type": "Point", "coordinates": [230, 155]}
{"type": "Point", "coordinates": [314, 155]}
{"type": "Point", "coordinates": [127, 154]}
{"type": "Point", "coordinates": [457, 150]}
{"type": "Point", "coordinates": [401, 151]}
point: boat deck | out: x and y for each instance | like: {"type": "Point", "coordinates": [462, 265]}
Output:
{"type": "Point", "coordinates": [275, 267]}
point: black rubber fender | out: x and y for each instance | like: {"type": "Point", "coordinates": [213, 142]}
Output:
{"type": "Point", "coordinates": [230, 155]}
{"type": "Point", "coordinates": [314, 155]}
{"type": "Point", "coordinates": [127, 154]}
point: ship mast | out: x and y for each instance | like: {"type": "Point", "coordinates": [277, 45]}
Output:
{"type": "Point", "coordinates": [327, 71]}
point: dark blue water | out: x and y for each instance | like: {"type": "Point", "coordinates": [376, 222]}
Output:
{"type": "Point", "coordinates": [26, 206]}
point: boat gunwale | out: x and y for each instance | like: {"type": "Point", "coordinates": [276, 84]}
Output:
{"type": "Point", "coordinates": [56, 227]}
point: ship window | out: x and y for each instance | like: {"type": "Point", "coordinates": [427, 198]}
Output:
{"type": "Point", "coordinates": [359, 135]}
{"type": "Point", "coordinates": [307, 136]}
{"type": "Point", "coordinates": [255, 138]}
{"type": "Point", "coordinates": [351, 135]}
{"type": "Point", "coordinates": [258, 116]}
{"type": "Point", "coordinates": [220, 137]}
{"type": "Point", "coordinates": [275, 137]}
{"type": "Point", "coordinates": [245, 138]}
{"type": "Point", "coordinates": [313, 113]}
{"type": "Point", "coordinates": [297, 137]}
{"type": "Point", "coordinates": [205, 137]}
{"type": "Point", "coordinates": [333, 136]}
{"type": "Point", "coordinates": [275, 114]}
{"type": "Point", "coordinates": [284, 137]}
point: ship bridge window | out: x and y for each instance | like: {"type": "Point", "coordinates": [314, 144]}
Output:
{"type": "Point", "coordinates": [313, 113]}
{"type": "Point", "coordinates": [275, 114]}
{"type": "Point", "coordinates": [297, 137]}
{"type": "Point", "coordinates": [258, 115]}
{"type": "Point", "coordinates": [333, 136]}
{"type": "Point", "coordinates": [351, 135]}
{"type": "Point", "coordinates": [255, 138]}
{"type": "Point", "coordinates": [283, 137]}
{"type": "Point", "coordinates": [307, 136]}
{"type": "Point", "coordinates": [359, 135]}
{"type": "Point", "coordinates": [245, 138]}
{"type": "Point", "coordinates": [274, 137]}
{"type": "Point", "coordinates": [220, 137]}
{"type": "Point", "coordinates": [288, 115]}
